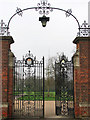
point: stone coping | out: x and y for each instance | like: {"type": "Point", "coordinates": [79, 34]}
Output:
{"type": "Point", "coordinates": [77, 39]}
{"type": "Point", "coordinates": [9, 38]}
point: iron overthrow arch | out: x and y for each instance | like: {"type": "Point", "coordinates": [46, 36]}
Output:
{"type": "Point", "coordinates": [46, 8]}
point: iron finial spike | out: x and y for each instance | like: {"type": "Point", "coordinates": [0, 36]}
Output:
{"type": "Point", "coordinates": [29, 52]}
{"type": "Point", "coordinates": [3, 29]}
{"type": "Point", "coordinates": [84, 29]}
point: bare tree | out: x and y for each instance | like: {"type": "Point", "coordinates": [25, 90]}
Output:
{"type": "Point", "coordinates": [50, 75]}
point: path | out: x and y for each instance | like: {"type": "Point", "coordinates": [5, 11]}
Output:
{"type": "Point", "coordinates": [50, 113]}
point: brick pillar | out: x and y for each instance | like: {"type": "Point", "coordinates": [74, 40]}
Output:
{"type": "Point", "coordinates": [5, 42]}
{"type": "Point", "coordinates": [82, 77]}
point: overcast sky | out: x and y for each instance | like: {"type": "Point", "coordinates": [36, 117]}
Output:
{"type": "Point", "coordinates": [29, 34]}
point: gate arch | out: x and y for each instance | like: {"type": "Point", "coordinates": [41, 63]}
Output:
{"type": "Point", "coordinates": [44, 7]}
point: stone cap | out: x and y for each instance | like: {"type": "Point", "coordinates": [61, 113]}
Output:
{"type": "Point", "coordinates": [9, 38]}
{"type": "Point", "coordinates": [75, 59]}
{"type": "Point", "coordinates": [77, 39]}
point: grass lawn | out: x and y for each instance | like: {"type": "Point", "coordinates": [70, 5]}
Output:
{"type": "Point", "coordinates": [36, 96]}
{"type": "Point", "coordinates": [39, 96]}
{"type": "Point", "coordinates": [50, 97]}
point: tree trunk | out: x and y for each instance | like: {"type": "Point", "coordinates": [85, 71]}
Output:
{"type": "Point", "coordinates": [48, 91]}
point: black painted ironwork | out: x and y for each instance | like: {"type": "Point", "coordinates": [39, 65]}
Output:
{"type": "Point", "coordinates": [3, 29]}
{"type": "Point", "coordinates": [64, 97]}
{"type": "Point", "coordinates": [28, 91]}
{"type": "Point", "coordinates": [84, 30]}
{"type": "Point", "coordinates": [44, 5]}
{"type": "Point", "coordinates": [44, 8]}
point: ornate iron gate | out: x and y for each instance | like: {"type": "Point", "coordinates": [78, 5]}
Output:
{"type": "Point", "coordinates": [28, 87]}
{"type": "Point", "coordinates": [64, 98]}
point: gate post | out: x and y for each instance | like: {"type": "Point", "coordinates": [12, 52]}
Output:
{"type": "Point", "coordinates": [5, 42]}
{"type": "Point", "coordinates": [81, 61]}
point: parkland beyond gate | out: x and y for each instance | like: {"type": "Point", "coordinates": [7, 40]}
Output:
{"type": "Point", "coordinates": [9, 97]}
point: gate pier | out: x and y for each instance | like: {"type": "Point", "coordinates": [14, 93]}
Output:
{"type": "Point", "coordinates": [81, 61]}
{"type": "Point", "coordinates": [6, 74]}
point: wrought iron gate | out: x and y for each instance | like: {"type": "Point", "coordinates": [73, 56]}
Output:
{"type": "Point", "coordinates": [28, 87]}
{"type": "Point", "coordinates": [64, 97]}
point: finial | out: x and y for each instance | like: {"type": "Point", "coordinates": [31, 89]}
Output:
{"type": "Point", "coordinates": [3, 29]}
{"type": "Point", "coordinates": [84, 30]}
{"type": "Point", "coordinates": [42, 7]}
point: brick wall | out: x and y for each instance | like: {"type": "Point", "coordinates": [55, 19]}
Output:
{"type": "Point", "coordinates": [82, 77]}
{"type": "Point", "coordinates": [5, 42]}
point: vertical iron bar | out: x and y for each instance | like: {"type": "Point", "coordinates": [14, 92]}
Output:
{"type": "Point", "coordinates": [40, 87]}
{"type": "Point", "coordinates": [35, 86]}
{"type": "Point", "coordinates": [41, 84]}
{"type": "Point", "coordinates": [16, 83]}
{"type": "Point", "coordinates": [60, 77]}
{"type": "Point", "coordinates": [38, 84]}
{"type": "Point", "coordinates": [55, 90]}
{"type": "Point", "coordinates": [19, 85]}
{"type": "Point", "coordinates": [37, 101]}
{"type": "Point", "coordinates": [21, 89]}
{"type": "Point", "coordinates": [43, 87]}
{"type": "Point", "coordinates": [18, 90]}
{"type": "Point", "coordinates": [28, 89]}
{"type": "Point", "coordinates": [22, 85]}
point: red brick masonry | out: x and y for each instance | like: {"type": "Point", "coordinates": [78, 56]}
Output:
{"type": "Point", "coordinates": [5, 42]}
{"type": "Point", "coordinates": [82, 77]}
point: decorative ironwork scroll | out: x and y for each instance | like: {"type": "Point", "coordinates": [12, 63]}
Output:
{"type": "Point", "coordinates": [64, 87]}
{"type": "Point", "coordinates": [28, 88]}
{"type": "Point", "coordinates": [84, 30]}
{"type": "Point", "coordinates": [69, 11]}
{"type": "Point", "coordinates": [44, 7]}
{"type": "Point", "coordinates": [19, 11]}
{"type": "Point", "coordinates": [4, 29]}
